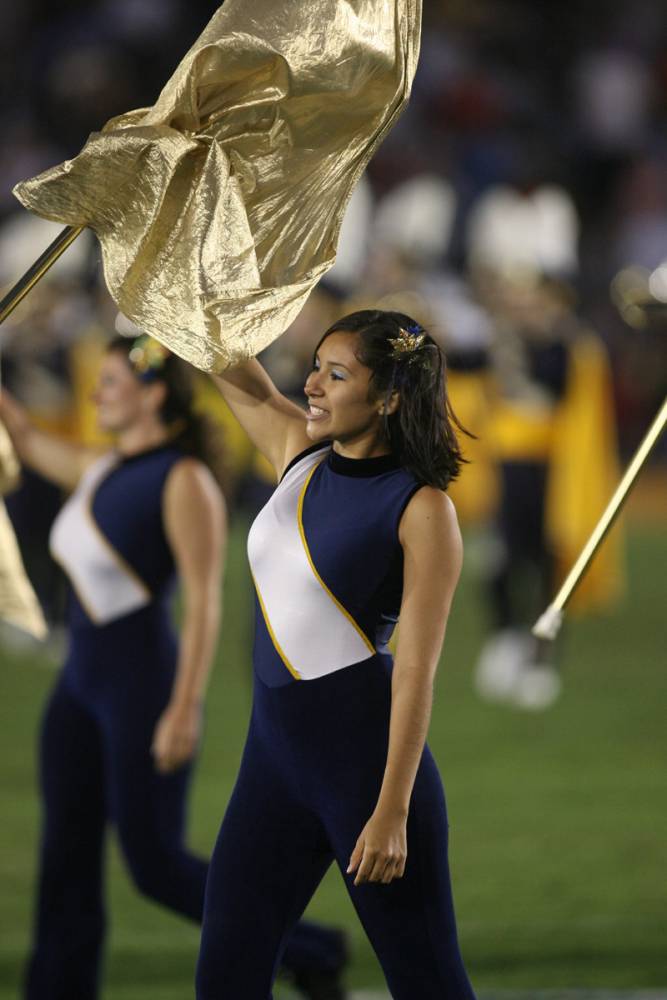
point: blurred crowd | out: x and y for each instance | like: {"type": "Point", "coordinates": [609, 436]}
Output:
{"type": "Point", "coordinates": [518, 210]}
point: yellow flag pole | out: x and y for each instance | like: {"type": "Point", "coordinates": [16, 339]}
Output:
{"type": "Point", "coordinates": [64, 239]}
{"type": "Point", "coordinates": [548, 625]}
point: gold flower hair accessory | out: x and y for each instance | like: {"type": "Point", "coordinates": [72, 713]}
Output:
{"type": "Point", "coordinates": [407, 342]}
{"type": "Point", "coordinates": [147, 356]}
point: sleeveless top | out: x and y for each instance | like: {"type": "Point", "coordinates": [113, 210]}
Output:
{"type": "Point", "coordinates": [110, 540]}
{"type": "Point", "coordinates": [327, 564]}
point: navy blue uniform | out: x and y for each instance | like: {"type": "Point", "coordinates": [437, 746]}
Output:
{"type": "Point", "coordinates": [95, 762]}
{"type": "Point", "coordinates": [327, 565]}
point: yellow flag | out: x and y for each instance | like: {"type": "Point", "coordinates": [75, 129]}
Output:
{"type": "Point", "coordinates": [582, 476]}
{"type": "Point", "coordinates": [219, 208]}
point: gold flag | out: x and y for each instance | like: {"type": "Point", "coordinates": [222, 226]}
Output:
{"type": "Point", "coordinates": [10, 469]}
{"type": "Point", "coordinates": [18, 604]}
{"type": "Point", "coordinates": [219, 208]}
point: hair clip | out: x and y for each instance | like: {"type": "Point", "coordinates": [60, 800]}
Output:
{"type": "Point", "coordinates": [407, 342]}
{"type": "Point", "coordinates": [147, 356]}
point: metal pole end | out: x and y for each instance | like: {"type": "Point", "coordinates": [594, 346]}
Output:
{"type": "Point", "coordinates": [548, 625]}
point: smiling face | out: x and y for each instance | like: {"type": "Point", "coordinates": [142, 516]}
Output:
{"type": "Point", "coordinates": [122, 400]}
{"type": "Point", "coordinates": [340, 407]}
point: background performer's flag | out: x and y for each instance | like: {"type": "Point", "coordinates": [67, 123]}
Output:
{"type": "Point", "coordinates": [18, 603]}
{"type": "Point", "coordinates": [219, 208]}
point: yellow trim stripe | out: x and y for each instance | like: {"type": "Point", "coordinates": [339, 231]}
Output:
{"type": "Point", "coordinates": [275, 642]}
{"type": "Point", "coordinates": [299, 515]}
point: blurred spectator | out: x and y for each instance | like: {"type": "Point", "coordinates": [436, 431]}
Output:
{"type": "Point", "coordinates": [550, 431]}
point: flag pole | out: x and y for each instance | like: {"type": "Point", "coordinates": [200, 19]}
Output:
{"type": "Point", "coordinates": [64, 239]}
{"type": "Point", "coordinates": [548, 625]}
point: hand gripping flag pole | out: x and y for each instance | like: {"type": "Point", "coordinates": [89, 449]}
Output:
{"type": "Point", "coordinates": [548, 625]}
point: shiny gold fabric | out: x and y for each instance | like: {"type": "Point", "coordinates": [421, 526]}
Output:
{"type": "Point", "coordinates": [18, 604]}
{"type": "Point", "coordinates": [219, 208]}
{"type": "Point", "coordinates": [10, 469]}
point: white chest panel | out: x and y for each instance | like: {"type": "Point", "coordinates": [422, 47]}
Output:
{"type": "Point", "coordinates": [311, 631]}
{"type": "Point", "coordinates": [105, 584]}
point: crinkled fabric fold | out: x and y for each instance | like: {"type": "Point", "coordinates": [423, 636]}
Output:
{"type": "Point", "coordinates": [219, 208]}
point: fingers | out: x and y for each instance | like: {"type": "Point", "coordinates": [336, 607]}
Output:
{"type": "Point", "coordinates": [376, 866]}
{"type": "Point", "coordinates": [356, 856]}
{"type": "Point", "coordinates": [365, 867]}
{"type": "Point", "coordinates": [394, 870]}
{"type": "Point", "coordinates": [170, 754]}
{"type": "Point", "coordinates": [166, 763]}
{"type": "Point", "coordinates": [389, 873]}
{"type": "Point", "coordinates": [380, 865]}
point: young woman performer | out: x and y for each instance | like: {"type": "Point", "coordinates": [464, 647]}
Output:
{"type": "Point", "coordinates": [335, 766]}
{"type": "Point", "coordinates": [123, 723]}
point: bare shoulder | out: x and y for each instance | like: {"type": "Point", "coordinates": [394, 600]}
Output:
{"type": "Point", "coordinates": [429, 527]}
{"type": "Point", "coordinates": [429, 506]}
{"type": "Point", "coordinates": [191, 483]}
{"type": "Point", "coordinates": [431, 539]}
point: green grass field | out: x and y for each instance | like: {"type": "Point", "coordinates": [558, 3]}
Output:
{"type": "Point", "coordinates": [559, 820]}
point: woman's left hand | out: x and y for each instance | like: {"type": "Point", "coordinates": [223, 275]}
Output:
{"type": "Point", "coordinates": [176, 736]}
{"type": "Point", "coordinates": [381, 850]}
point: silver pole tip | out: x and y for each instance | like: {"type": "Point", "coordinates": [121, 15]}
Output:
{"type": "Point", "coordinates": [548, 625]}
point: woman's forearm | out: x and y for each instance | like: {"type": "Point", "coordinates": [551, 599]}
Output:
{"type": "Point", "coordinates": [199, 630]}
{"type": "Point", "coordinates": [411, 701]}
{"type": "Point", "coordinates": [59, 461]}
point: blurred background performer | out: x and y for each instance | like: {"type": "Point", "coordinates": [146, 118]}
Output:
{"type": "Point", "coordinates": [335, 766]}
{"type": "Point", "coordinates": [122, 725]}
{"type": "Point", "coordinates": [550, 432]}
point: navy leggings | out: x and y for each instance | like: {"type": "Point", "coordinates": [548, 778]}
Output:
{"type": "Point", "coordinates": [309, 781]}
{"type": "Point", "coordinates": [96, 768]}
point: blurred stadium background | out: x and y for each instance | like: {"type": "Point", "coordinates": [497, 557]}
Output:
{"type": "Point", "coordinates": [519, 209]}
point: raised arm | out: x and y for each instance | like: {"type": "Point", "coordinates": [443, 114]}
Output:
{"type": "Point", "coordinates": [432, 551]}
{"type": "Point", "coordinates": [275, 425]}
{"type": "Point", "coordinates": [60, 461]}
{"type": "Point", "coordinates": [195, 524]}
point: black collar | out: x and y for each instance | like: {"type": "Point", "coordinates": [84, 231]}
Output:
{"type": "Point", "coordinates": [362, 466]}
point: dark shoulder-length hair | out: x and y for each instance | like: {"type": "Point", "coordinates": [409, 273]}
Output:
{"type": "Point", "coordinates": [405, 359]}
{"type": "Point", "coordinates": [190, 431]}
